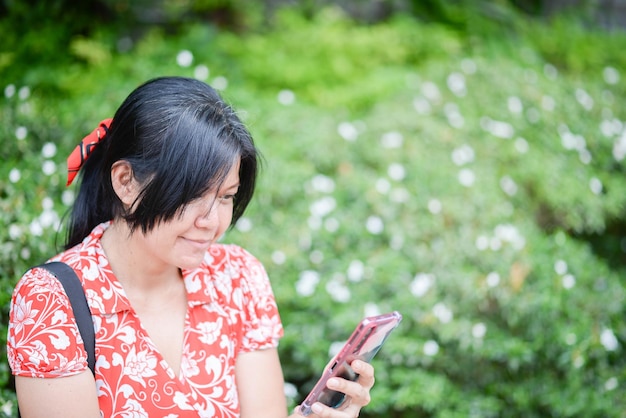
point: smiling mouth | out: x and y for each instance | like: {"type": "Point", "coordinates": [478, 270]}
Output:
{"type": "Point", "coordinates": [198, 242]}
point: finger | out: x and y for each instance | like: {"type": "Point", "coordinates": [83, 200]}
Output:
{"type": "Point", "coordinates": [365, 371]}
{"type": "Point", "coordinates": [322, 411]}
{"type": "Point", "coordinates": [358, 392]}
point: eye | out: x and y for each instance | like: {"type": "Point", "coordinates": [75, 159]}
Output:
{"type": "Point", "coordinates": [227, 198]}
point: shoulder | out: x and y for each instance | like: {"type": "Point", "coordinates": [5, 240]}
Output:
{"type": "Point", "coordinates": [40, 281]}
{"type": "Point", "coordinates": [43, 340]}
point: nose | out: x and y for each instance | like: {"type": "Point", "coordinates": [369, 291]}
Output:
{"type": "Point", "coordinates": [210, 218]}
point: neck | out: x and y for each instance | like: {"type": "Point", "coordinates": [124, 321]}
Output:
{"type": "Point", "coordinates": [134, 267]}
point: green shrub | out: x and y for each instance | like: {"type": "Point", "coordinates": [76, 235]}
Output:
{"type": "Point", "coordinates": [407, 168]}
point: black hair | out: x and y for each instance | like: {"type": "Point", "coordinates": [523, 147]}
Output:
{"type": "Point", "coordinates": [181, 140]}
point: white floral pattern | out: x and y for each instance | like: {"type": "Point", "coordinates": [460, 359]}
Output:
{"type": "Point", "coordinates": [231, 309]}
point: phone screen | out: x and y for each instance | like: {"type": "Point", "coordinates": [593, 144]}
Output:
{"type": "Point", "coordinates": [366, 340]}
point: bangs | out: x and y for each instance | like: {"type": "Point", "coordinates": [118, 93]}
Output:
{"type": "Point", "coordinates": [196, 157]}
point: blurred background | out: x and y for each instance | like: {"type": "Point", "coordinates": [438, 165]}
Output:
{"type": "Point", "coordinates": [460, 161]}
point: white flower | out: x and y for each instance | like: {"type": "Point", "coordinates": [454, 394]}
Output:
{"type": "Point", "coordinates": [550, 71]}
{"type": "Point", "coordinates": [286, 97]}
{"type": "Point", "coordinates": [611, 75]}
{"type": "Point", "coordinates": [521, 145]}
{"type": "Point", "coordinates": [316, 257]}
{"type": "Point", "coordinates": [184, 58]}
{"type": "Point", "coordinates": [619, 147]}
{"type": "Point", "coordinates": [482, 242]}
{"type": "Point", "coordinates": [468, 66]}
{"type": "Point", "coordinates": [584, 99]}
{"type": "Point", "coordinates": [279, 257]}
{"type": "Point", "coordinates": [392, 139]}
{"type": "Point", "coordinates": [335, 347]}
{"type": "Point", "coordinates": [493, 279]}
{"type": "Point", "coordinates": [431, 348]}
{"type": "Point", "coordinates": [15, 175]}
{"type": "Point", "coordinates": [356, 271]}
{"type": "Point", "coordinates": [421, 283]}
{"type": "Point", "coordinates": [21, 132]}
{"type": "Point", "coordinates": [611, 384]}
{"type": "Point", "coordinates": [462, 155]}
{"type": "Point", "coordinates": [442, 312]}
{"type": "Point", "coordinates": [479, 330]}
{"type": "Point", "coordinates": [371, 309]}
{"type": "Point", "coordinates": [67, 197]}
{"type": "Point", "coordinates": [24, 93]}
{"type": "Point", "coordinates": [560, 267]}
{"type": "Point", "coordinates": [201, 72]}
{"type": "Point", "coordinates": [396, 171]}
{"type": "Point", "coordinates": [338, 291]}
{"type": "Point", "coordinates": [431, 91]}
{"type": "Point", "coordinates": [421, 105]}
{"type": "Point", "coordinates": [48, 218]}
{"type": "Point", "coordinates": [548, 103]}
{"type": "Point", "coordinates": [48, 167]}
{"type": "Point", "coordinates": [595, 185]}
{"type": "Point", "coordinates": [220, 83]}
{"type": "Point", "coordinates": [508, 185]}
{"type": "Point", "coordinates": [348, 131]}
{"type": "Point", "coordinates": [515, 105]}
{"type": "Point", "coordinates": [15, 231]}
{"type": "Point", "coordinates": [47, 203]}
{"type": "Point", "coordinates": [568, 281]}
{"type": "Point", "coordinates": [244, 224]}
{"type": "Point", "coordinates": [307, 282]}
{"type": "Point", "coordinates": [374, 225]}
{"type": "Point", "coordinates": [455, 119]}
{"type": "Point", "coordinates": [608, 340]}
{"type": "Point", "coordinates": [434, 206]}
{"type": "Point", "coordinates": [498, 129]}
{"type": "Point", "coordinates": [49, 150]}
{"type": "Point", "coordinates": [290, 390]}
{"type": "Point", "coordinates": [383, 186]}
{"type": "Point", "coordinates": [322, 183]}
{"type": "Point", "coordinates": [323, 206]}
{"type": "Point", "coordinates": [456, 84]}
{"type": "Point", "coordinates": [25, 253]}
{"type": "Point", "coordinates": [9, 91]}
{"type": "Point", "coordinates": [35, 228]}
{"type": "Point", "coordinates": [331, 224]}
{"type": "Point", "coordinates": [467, 177]}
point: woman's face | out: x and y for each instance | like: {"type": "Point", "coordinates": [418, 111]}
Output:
{"type": "Point", "coordinates": [183, 241]}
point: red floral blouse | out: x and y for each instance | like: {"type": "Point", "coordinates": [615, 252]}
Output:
{"type": "Point", "coordinates": [230, 310]}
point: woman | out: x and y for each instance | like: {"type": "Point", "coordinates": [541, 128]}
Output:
{"type": "Point", "coordinates": [185, 327]}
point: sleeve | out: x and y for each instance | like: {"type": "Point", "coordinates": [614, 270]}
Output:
{"type": "Point", "coordinates": [43, 338]}
{"type": "Point", "coordinates": [262, 325]}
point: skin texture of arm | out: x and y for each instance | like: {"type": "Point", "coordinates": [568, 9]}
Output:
{"type": "Point", "coordinates": [260, 384]}
{"type": "Point", "coordinates": [62, 397]}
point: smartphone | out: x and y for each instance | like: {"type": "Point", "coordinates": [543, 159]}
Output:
{"type": "Point", "coordinates": [367, 338]}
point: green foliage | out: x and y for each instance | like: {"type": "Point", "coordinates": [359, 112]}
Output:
{"type": "Point", "coordinates": [469, 183]}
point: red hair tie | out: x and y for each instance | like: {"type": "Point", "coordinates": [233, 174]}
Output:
{"type": "Point", "coordinates": [80, 154]}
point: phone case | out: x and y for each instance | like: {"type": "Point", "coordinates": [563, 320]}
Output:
{"type": "Point", "coordinates": [367, 338]}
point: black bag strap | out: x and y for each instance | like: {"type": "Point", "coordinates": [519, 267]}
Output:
{"type": "Point", "coordinates": [76, 294]}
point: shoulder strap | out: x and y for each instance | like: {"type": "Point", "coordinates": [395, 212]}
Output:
{"type": "Point", "coordinates": [76, 294]}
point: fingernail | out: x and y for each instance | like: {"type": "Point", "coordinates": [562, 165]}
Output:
{"type": "Point", "coordinates": [317, 408]}
{"type": "Point", "coordinates": [333, 382]}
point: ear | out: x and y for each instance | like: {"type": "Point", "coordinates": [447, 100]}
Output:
{"type": "Point", "coordinates": [124, 183]}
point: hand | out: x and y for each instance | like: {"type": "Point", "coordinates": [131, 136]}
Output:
{"type": "Point", "coordinates": [358, 393]}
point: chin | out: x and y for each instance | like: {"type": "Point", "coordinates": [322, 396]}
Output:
{"type": "Point", "coordinates": [190, 264]}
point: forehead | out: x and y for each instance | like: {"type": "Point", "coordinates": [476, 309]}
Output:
{"type": "Point", "coordinates": [232, 178]}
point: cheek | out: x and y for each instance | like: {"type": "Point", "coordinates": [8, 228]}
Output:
{"type": "Point", "coordinates": [226, 217]}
